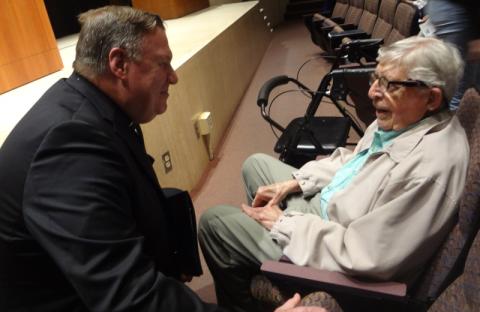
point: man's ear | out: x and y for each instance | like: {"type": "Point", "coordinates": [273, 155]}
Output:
{"type": "Point", "coordinates": [118, 62]}
{"type": "Point", "coordinates": [435, 99]}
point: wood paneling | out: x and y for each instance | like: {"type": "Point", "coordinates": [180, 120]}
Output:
{"type": "Point", "coordinates": [168, 9]}
{"type": "Point", "coordinates": [28, 49]}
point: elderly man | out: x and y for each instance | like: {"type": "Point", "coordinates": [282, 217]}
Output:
{"type": "Point", "coordinates": [379, 211]}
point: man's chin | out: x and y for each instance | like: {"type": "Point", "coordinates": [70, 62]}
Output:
{"type": "Point", "coordinates": [162, 109]}
{"type": "Point", "coordinates": [383, 125]}
{"type": "Point", "coordinates": [153, 114]}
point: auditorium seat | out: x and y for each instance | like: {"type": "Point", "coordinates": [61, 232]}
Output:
{"type": "Point", "coordinates": [365, 25]}
{"type": "Point", "coordinates": [463, 295]}
{"type": "Point", "coordinates": [396, 21]}
{"type": "Point", "coordinates": [352, 17]}
{"type": "Point", "coordinates": [390, 20]}
{"type": "Point", "coordinates": [339, 11]}
{"type": "Point", "coordinates": [398, 24]}
{"type": "Point", "coordinates": [383, 23]}
{"type": "Point", "coordinates": [351, 21]}
{"type": "Point", "coordinates": [405, 22]}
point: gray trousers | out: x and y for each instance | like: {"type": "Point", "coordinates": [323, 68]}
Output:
{"type": "Point", "coordinates": [234, 245]}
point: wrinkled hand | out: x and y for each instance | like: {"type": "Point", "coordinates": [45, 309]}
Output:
{"type": "Point", "coordinates": [274, 193]}
{"type": "Point", "coordinates": [266, 215]}
{"type": "Point", "coordinates": [291, 305]}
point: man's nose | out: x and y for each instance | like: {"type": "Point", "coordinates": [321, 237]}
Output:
{"type": "Point", "coordinates": [172, 77]}
{"type": "Point", "coordinates": [375, 91]}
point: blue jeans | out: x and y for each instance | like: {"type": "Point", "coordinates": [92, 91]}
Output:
{"type": "Point", "coordinates": [453, 24]}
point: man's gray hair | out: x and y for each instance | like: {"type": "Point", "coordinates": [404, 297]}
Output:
{"type": "Point", "coordinates": [435, 62]}
{"type": "Point", "coordinates": [109, 27]}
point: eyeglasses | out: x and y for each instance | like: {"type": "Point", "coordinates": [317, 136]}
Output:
{"type": "Point", "coordinates": [389, 85]}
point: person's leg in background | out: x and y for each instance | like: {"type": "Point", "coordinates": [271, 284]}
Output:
{"type": "Point", "coordinates": [474, 59]}
{"type": "Point", "coordinates": [453, 24]}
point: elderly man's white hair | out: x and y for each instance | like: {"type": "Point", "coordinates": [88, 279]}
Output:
{"type": "Point", "coordinates": [435, 62]}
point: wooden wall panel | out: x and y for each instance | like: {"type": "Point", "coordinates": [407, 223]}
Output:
{"type": "Point", "coordinates": [28, 49]}
{"type": "Point", "coordinates": [168, 9]}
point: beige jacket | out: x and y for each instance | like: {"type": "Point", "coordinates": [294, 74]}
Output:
{"type": "Point", "coordinates": [394, 214]}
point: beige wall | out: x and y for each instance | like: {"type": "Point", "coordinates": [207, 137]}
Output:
{"type": "Point", "coordinates": [274, 9]}
{"type": "Point", "coordinates": [214, 80]}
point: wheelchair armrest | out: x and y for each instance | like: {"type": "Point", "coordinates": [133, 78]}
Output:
{"type": "Point", "coordinates": [299, 276]}
{"type": "Point", "coordinates": [337, 37]}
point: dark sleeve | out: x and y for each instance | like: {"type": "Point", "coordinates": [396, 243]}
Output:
{"type": "Point", "coordinates": [77, 206]}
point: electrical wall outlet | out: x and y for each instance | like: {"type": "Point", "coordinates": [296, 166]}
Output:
{"type": "Point", "coordinates": [167, 162]}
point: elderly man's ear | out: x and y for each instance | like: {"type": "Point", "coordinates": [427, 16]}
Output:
{"type": "Point", "coordinates": [117, 61]}
{"type": "Point", "coordinates": [435, 99]}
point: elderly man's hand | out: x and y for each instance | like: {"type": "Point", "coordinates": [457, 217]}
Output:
{"type": "Point", "coordinates": [275, 193]}
{"type": "Point", "coordinates": [291, 305]}
{"type": "Point", "coordinates": [266, 216]}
